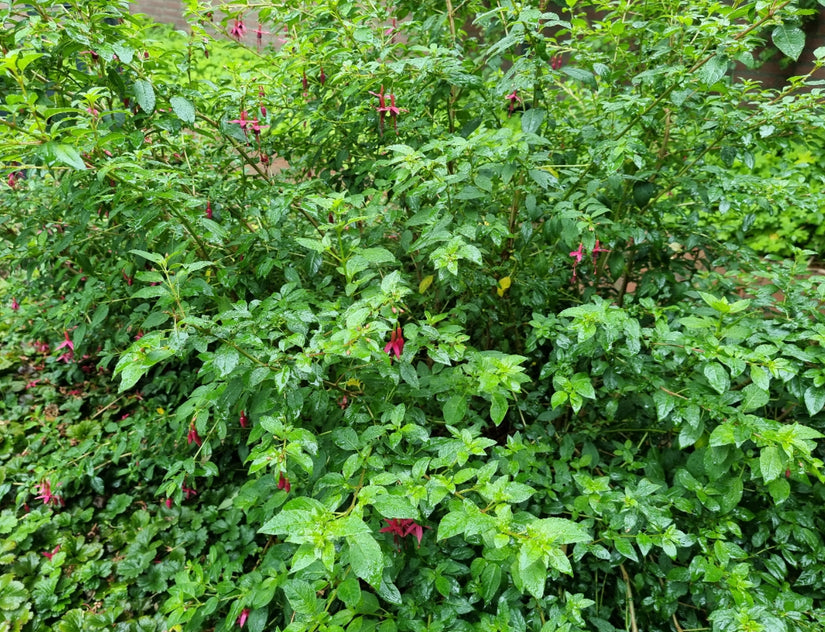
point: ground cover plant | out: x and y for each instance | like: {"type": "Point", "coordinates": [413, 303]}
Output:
{"type": "Point", "coordinates": [405, 318]}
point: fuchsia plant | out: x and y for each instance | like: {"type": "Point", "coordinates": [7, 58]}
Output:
{"type": "Point", "coordinates": [401, 528]}
{"type": "Point", "coordinates": [513, 98]}
{"type": "Point", "coordinates": [193, 436]}
{"type": "Point", "coordinates": [396, 343]}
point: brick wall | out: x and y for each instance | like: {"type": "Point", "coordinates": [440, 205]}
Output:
{"type": "Point", "coordinates": [167, 11]}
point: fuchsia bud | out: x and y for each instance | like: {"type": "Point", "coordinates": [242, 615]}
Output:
{"type": "Point", "coordinates": [168, 503]}
{"type": "Point", "coordinates": [208, 210]}
{"type": "Point", "coordinates": [243, 419]}
{"type": "Point", "coordinates": [322, 77]}
{"type": "Point", "coordinates": [14, 304]}
{"type": "Point", "coordinates": [304, 82]}
{"type": "Point", "coordinates": [283, 483]}
{"type": "Point", "coordinates": [242, 619]}
{"type": "Point", "coordinates": [193, 435]}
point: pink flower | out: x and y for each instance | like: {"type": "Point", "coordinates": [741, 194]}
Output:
{"type": "Point", "coordinates": [168, 503]}
{"type": "Point", "coordinates": [208, 210]}
{"type": "Point", "coordinates": [13, 180]}
{"type": "Point", "coordinates": [14, 304]}
{"type": "Point", "coordinates": [66, 343]}
{"type": "Point", "coordinates": [577, 255]}
{"type": "Point", "coordinates": [596, 250]}
{"type": "Point", "coordinates": [243, 121]}
{"type": "Point", "coordinates": [396, 343]}
{"type": "Point", "coordinates": [129, 280]}
{"type": "Point", "coordinates": [556, 62]}
{"type": "Point", "coordinates": [513, 97]}
{"type": "Point", "coordinates": [238, 30]}
{"type": "Point", "coordinates": [259, 33]}
{"type": "Point", "coordinates": [52, 554]}
{"type": "Point", "coordinates": [244, 616]}
{"type": "Point", "coordinates": [242, 419]}
{"type": "Point", "coordinates": [45, 494]}
{"type": "Point", "coordinates": [402, 527]}
{"type": "Point", "coordinates": [283, 483]}
{"type": "Point", "coordinates": [189, 492]}
{"type": "Point", "coordinates": [383, 108]}
{"type": "Point", "coordinates": [193, 435]}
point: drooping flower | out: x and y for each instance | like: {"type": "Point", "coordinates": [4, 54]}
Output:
{"type": "Point", "coordinates": [396, 343]}
{"type": "Point", "coordinates": [14, 304]}
{"type": "Point", "coordinates": [401, 528]}
{"type": "Point", "coordinates": [66, 343]}
{"type": "Point", "coordinates": [243, 121]}
{"type": "Point", "coordinates": [283, 482]}
{"type": "Point", "coordinates": [238, 30]}
{"type": "Point", "coordinates": [44, 490]}
{"type": "Point", "coordinates": [208, 209]}
{"type": "Point", "coordinates": [193, 435]}
{"type": "Point", "coordinates": [322, 77]}
{"type": "Point", "coordinates": [381, 109]}
{"type": "Point", "coordinates": [596, 250]}
{"type": "Point", "coordinates": [188, 492]}
{"type": "Point", "coordinates": [168, 503]}
{"type": "Point", "coordinates": [556, 62]}
{"type": "Point", "coordinates": [244, 616]}
{"type": "Point", "coordinates": [243, 419]}
{"type": "Point", "coordinates": [577, 256]}
{"type": "Point", "coordinates": [49, 555]}
{"type": "Point", "coordinates": [513, 97]}
{"type": "Point", "coordinates": [259, 33]}
{"type": "Point", "coordinates": [129, 280]}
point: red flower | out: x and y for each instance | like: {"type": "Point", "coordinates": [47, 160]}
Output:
{"type": "Point", "coordinates": [396, 343]}
{"type": "Point", "coordinates": [66, 343]}
{"type": "Point", "coordinates": [45, 494]}
{"type": "Point", "coordinates": [512, 97]}
{"type": "Point", "coordinates": [322, 78]}
{"type": "Point", "coordinates": [238, 30]}
{"type": "Point", "coordinates": [577, 255]}
{"type": "Point", "coordinates": [242, 419]}
{"type": "Point", "coordinates": [49, 555]}
{"type": "Point", "coordinates": [208, 209]}
{"type": "Point", "coordinates": [596, 250]}
{"type": "Point", "coordinates": [556, 62]}
{"type": "Point", "coordinates": [283, 483]}
{"type": "Point", "coordinates": [189, 492]}
{"type": "Point", "coordinates": [14, 304]}
{"type": "Point", "coordinates": [168, 503]}
{"type": "Point", "coordinates": [193, 435]}
{"type": "Point", "coordinates": [242, 619]}
{"type": "Point", "coordinates": [401, 528]}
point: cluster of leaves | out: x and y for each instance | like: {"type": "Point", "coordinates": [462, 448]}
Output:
{"type": "Point", "coordinates": [404, 320]}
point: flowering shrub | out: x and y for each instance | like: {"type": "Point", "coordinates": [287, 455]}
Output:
{"type": "Point", "coordinates": [253, 339]}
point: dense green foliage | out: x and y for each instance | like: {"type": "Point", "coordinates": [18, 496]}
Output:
{"type": "Point", "coordinates": [406, 319]}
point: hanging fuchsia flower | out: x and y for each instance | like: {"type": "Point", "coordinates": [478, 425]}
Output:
{"type": "Point", "coordinates": [244, 616]}
{"type": "Point", "coordinates": [259, 34]}
{"type": "Point", "coordinates": [243, 419]}
{"type": "Point", "coordinates": [577, 256]}
{"type": "Point", "coordinates": [238, 30]}
{"type": "Point", "coordinates": [208, 210]}
{"type": "Point", "coordinates": [243, 121]}
{"type": "Point", "coordinates": [556, 62]}
{"type": "Point", "coordinates": [383, 109]}
{"type": "Point", "coordinates": [193, 435]}
{"type": "Point", "coordinates": [12, 180]}
{"type": "Point", "coordinates": [401, 528]}
{"type": "Point", "coordinates": [50, 555]}
{"type": "Point", "coordinates": [322, 78]}
{"type": "Point", "coordinates": [596, 250]}
{"type": "Point", "coordinates": [283, 482]}
{"type": "Point", "coordinates": [396, 343]}
{"type": "Point", "coordinates": [14, 304]}
{"type": "Point", "coordinates": [168, 503]}
{"type": "Point", "coordinates": [129, 280]}
{"type": "Point", "coordinates": [513, 98]}
{"type": "Point", "coordinates": [66, 343]}
{"type": "Point", "coordinates": [188, 492]}
{"type": "Point", "coordinates": [44, 490]}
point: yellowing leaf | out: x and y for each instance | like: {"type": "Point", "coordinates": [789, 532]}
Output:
{"type": "Point", "coordinates": [503, 285]}
{"type": "Point", "coordinates": [426, 282]}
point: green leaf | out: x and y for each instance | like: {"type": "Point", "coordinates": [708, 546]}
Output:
{"type": "Point", "coordinates": [717, 377]}
{"type": "Point", "coordinates": [498, 408]}
{"type": "Point", "coordinates": [558, 560]}
{"type": "Point", "coordinates": [349, 591]}
{"type": "Point", "coordinates": [226, 359]}
{"type": "Point", "coordinates": [814, 399]}
{"type": "Point", "coordinates": [452, 524]}
{"type": "Point", "coordinates": [530, 570]}
{"type": "Point", "coordinates": [713, 70]}
{"type": "Point", "coordinates": [366, 558]}
{"type": "Point", "coordinates": [789, 39]}
{"type": "Point", "coordinates": [149, 256]}
{"type": "Point", "coordinates": [130, 374]}
{"type": "Point", "coordinates": [183, 108]}
{"type": "Point", "coordinates": [625, 547]}
{"type": "Point", "coordinates": [454, 409]}
{"type": "Point", "coordinates": [779, 490]}
{"type": "Point", "coordinates": [559, 531]}
{"type": "Point", "coordinates": [145, 95]}
{"type": "Point", "coordinates": [12, 593]}
{"type": "Point", "coordinates": [753, 398]}
{"type": "Point", "coordinates": [301, 596]}
{"type": "Point", "coordinates": [392, 506]}
{"type": "Point", "coordinates": [68, 155]}
{"type": "Point", "coordinates": [771, 463]}
{"type": "Point", "coordinates": [531, 120]}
